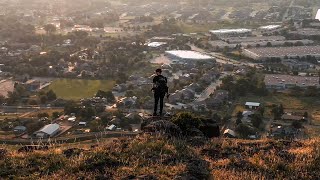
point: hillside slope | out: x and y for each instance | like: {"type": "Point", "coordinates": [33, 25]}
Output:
{"type": "Point", "coordinates": [159, 157]}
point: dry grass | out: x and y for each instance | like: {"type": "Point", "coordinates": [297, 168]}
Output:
{"type": "Point", "coordinates": [168, 159]}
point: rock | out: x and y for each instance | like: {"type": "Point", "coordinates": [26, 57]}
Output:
{"type": "Point", "coordinates": [72, 152]}
{"type": "Point", "coordinates": [31, 148]}
{"type": "Point", "coordinates": [210, 130]}
{"type": "Point", "coordinates": [194, 132]}
{"type": "Point", "coordinates": [3, 153]}
{"type": "Point", "coordinates": [163, 127]}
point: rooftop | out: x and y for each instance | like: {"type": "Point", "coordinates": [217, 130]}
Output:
{"type": "Point", "coordinates": [270, 27]}
{"type": "Point", "coordinates": [276, 79]}
{"type": "Point", "coordinates": [228, 31]}
{"type": "Point", "coordinates": [50, 128]}
{"type": "Point", "coordinates": [189, 55]}
{"type": "Point", "coordinates": [318, 15]}
{"type": "Point", "coordinates": [156, 44]}
{"type": "Point", "coordinates": [286, 51]}
{"type": "Point", "coordinates": [307, 32]}
{"type": "Point", "coordinates": [252, 104]}
{"type": "Point", "coordinates": [254, 39]}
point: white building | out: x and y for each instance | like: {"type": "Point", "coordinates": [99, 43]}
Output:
{"type": "Point", "coordinates": [252, 105]}
{"type": "Point", "coordinates": [231, 32]}
{"type": "Point", "coordinates": [47, 131]}
{"type": "Point", "coordinates": [182, 55]}
{"type": "Point", "coordinates": [318, 15]}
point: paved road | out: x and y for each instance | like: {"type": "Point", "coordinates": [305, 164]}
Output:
{"type": "Point", "coordinates": [211, 88]}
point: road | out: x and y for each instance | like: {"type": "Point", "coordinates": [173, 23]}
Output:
{"type": "Point", "coordinates": [211, 88]}
{"type": "Point", "coordinates": [220, 58]}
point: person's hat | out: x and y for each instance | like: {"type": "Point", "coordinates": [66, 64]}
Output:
{"type": "Point", "coordinates": [158, 70]}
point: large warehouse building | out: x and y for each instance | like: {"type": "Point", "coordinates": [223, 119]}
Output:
{"type": "Point", "coordinates": [182, 56]}
{"type": "Point", "coordinates": [281, 82]}
{"type": "Point", "coordinates": [231, 32]}
{"type": "Point", "coordinates": [47, 131]}
{"type": "Point", "coordinates": [282, 52]}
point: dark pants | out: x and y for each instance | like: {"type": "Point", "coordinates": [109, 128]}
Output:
{"type": "Point", "coordinates": [157, 97]}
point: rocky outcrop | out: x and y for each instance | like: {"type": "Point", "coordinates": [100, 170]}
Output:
{"type": "Point", "coordinates": [162, 127]}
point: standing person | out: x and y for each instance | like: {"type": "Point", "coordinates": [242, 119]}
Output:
{"type": "Point", "coordinates": [160, 89]}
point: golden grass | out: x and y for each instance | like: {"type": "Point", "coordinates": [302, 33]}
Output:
{"type": "Point", "coordinates": [146, 155]}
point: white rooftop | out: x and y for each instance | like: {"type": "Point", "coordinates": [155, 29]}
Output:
{"type": "Point", "coordinates": [270, 27]}
{"type": "Point", "coordinates": [72, 118]}
{"type": "Point", "coordinates": [226, 31]}
{"type": "Point", "coordinates": [189, 55]}
{"type": "Point", "coordinates": [50, 128]}
{"type": "Point", "coordinates": [252, 104]}
{"type": "Point", "coordinates": [318, 15]}
{"type": "Point", "coordinates": [156, 44]}
{"type": "Point", "coordinates": [229, 131]}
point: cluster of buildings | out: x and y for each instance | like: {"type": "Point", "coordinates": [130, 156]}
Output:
{"type": "Point", "coordinates": [265, 53]}
{"type": "Point", "coordinates": [282, 82]}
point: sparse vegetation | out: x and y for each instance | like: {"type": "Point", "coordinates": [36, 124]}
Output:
{"type": "Point", "coordinates": [161, 158]}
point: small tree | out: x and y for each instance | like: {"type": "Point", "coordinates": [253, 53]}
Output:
{"type": "Point", "coordinates": [256, 120]}
{"type": "Point", "coordinates": [239, 115]}
{"type": "Point", "coordinates": [296, 124]}
{"type": "Point", "coordinates": [56, 115]}
{"type": "Point", "coordinates": [51, 95]}
{"type": "Point", "coordinates": [50, 28]}
{"type": "Point", "coordinates": [43, 99]}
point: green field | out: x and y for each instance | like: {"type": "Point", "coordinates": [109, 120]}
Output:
{"type": "Point", "coordinates": [74, 89]}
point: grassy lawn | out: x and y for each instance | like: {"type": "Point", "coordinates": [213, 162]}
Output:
{"type": "Point", "coordinates": [75, 89]}
{"type": "Point", "coordinates": [289, 102]}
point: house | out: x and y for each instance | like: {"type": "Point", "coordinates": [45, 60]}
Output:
{"type": "Point", "coordinates": [229, 133]}
{"type": "Point", "coordinates": [82, 124]}
{"type": "Point", "coordinates": [72, 119]}
{"type": "Point", "coordinates": [289, 117]}
{"type": "Point", "coordinates": [112, 127]}
{"type": "Point", "coordinates": [47, 131]}
{"type": "Point", "coordinates": [19, 129]}
{"type": "Point", "coordinates": [32, 85]}
{"type": "Point", "coordinates": [252, 105]}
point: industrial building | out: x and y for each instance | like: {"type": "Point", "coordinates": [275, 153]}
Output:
{"type": "Point", "coordinates": [47, 131]}
{"type": "Point", "coordinates": [305, 32]}
{"type": "Point", "coordinates": [281, 82]}
{"type": "Point", "coordinates": [231, 32]}
{"type": "Point", "coordinates": [182, 56]}
{"type": "Point", "coordinates": [318, 15]}
{"type": "Point", "coordinates": [237, 40]}
{"type": "Point", "coordinates": [282, 52]}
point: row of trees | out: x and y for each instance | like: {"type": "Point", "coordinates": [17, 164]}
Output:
{"type": "Point", "coordinates": [250, 83]}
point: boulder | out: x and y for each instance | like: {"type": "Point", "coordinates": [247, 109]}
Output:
{"type": "Point", "coordinates": [3, 153]}
{"type": "Point", "coordinates": [194, 132]}
{"type": "Point", "coordinates": [72, 152]}
{"type": "Point", "coordinates": [162, 127]}
{"type": "Point", "coordinates": [31, 148]}
{"type": "Point", "coordinates": [210, 130]}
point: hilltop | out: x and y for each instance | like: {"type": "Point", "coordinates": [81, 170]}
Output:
{"type": "Point", "coordinates": [161, 157]}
